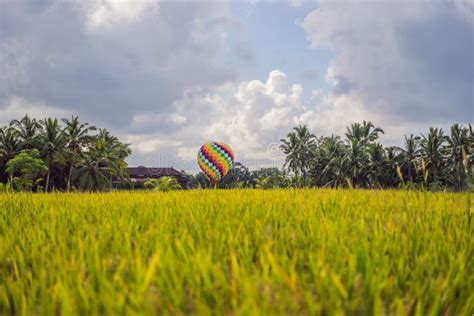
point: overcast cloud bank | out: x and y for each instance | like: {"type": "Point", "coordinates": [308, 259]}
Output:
{"type": "Point", "coordinates": [153, 72]}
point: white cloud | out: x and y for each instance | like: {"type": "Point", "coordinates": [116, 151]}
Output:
{"type": "Point", "coordinates": [255, 114]}
{"type": "Point", "coordinates": [111, 61]}
{"type": "Point", "coordinates": [177, 119]}
{"type": "Point", "coordinates": [14, 62]}
{"type": "Point", "coordinates": [252, 116]}
{"type": "Point", "coordinates": [249, 116]}
{"type": "Point", "coordinates": [407, 63]}
{"type": "Point", "coordinates": [18, 107]}
{"type": "Point", "coordinates": [105, 14]}
{"type": "Point", "coordinates": [297, 3]}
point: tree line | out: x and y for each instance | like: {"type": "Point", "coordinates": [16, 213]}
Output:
{"type": "Point", "coordinates": [241, 177]}
{"type": "Point", "coordinates": [65, 155]}
{"type": "Point", "coordinates": [433, 161]}
{"type": "Point", "coordinates": [53, 154]}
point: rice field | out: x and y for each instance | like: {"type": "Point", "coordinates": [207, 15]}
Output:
{"type": "Point", "coordinates": [237, 252]}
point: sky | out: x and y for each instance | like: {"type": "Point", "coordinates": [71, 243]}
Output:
{"type": "Point", "coordinates": [168, 76]}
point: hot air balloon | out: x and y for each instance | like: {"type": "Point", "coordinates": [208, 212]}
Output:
{"type": "Point", "coordinates": [215, 160]}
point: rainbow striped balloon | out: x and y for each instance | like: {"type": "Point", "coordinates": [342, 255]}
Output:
{"type": "Point", "coordinates": [215, 160]}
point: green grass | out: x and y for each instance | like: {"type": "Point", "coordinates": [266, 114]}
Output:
{"type": "Point", "coordinates": [245, 252]}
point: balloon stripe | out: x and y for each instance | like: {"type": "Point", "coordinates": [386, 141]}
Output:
{"type": "Point", "coordinates": [226, 154]}
{"type": "Point", "coordinates": [222, 155]}
{"type": "Point", "coordinates": [206, 164]}
{"type": "Point", "coordinates": [210, 167]}
{"type": "Point", "coordinates": [226, 149]}
{"type": "Point", "coordinates": [209, 173]}
{"type": "Point", "coordinates": [206, 170]}
{"type": "Point", "coordinates": [215, 160]}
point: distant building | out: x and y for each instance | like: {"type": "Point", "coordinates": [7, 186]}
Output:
{"type": "Point", "coordinates": [140, 174]}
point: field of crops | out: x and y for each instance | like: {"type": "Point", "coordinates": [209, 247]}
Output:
{"type": "Point", "coordinates": [245, 252]}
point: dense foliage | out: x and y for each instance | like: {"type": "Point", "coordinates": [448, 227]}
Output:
{"type": "Point", "coordinates": [76, 157]}
{"type": "Point", "coordinates": [163, 184]}
{"type": "Point", "coordinates": [237, 252]}
{"type": "Point", "coordinates": [64, 157]}
{"type": "Point", "coordinates": [434, 161]}
{"type": "Point", "coordinates": [431, 161]}
{"type": "Point", "coordinates": [241, 177]}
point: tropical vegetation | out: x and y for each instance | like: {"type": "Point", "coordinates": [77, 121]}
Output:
{"type": "Point", "coordinates": [59, 155]}
{"type": "Point", "coordinates": [430, 161]}
{"type": "Point", "coordinates": [77, 156]}
{"type": "Point", "coordinates": [164, 184]}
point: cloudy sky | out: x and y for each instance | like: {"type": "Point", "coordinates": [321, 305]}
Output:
{"type": "Point", "coordinates": [167, 76]}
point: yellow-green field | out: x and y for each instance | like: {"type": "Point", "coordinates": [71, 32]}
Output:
{"type": "Point", "coordinates": [239, 252]}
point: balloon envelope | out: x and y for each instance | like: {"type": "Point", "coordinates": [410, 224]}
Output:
{"type": "Point", "coordinates": [215, 160]}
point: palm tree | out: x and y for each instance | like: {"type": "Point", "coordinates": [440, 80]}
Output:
{"type": "Point", "coordinates": [364, 133]}
{"type": "Point", "coordinates": [355, 162]}
{"type": "Point", "coordinates": [290, 148]}
{"type": "Point", "coordinates": [361, 161]}
{"type": "Point", "coordinates": [63, 149]}
{"type": "Point", "coordinates": [27, 131]}
{"type": "Point", "coordinates": [77, 137]}
{"type": "Point", "coordinates": [326, 169]}
{"type": "Point", "coordinates": [115, 153]}
{"type": "Point", "coordinates": [307, 144]}
{"type": "Point", "coordinates": [377, 165]}
{"type": "Point", "coordinates": [299, 147]}
{"type": "Point", "coordinates": [470, 153]}
{"type": "Point", "coordinates": [358, 137]}
{"type": "Point", "coordinates": [102, 162]}
{"type": "Point", "coordinates": [53, 142]}
{"type": "Point", "coordinates": [457, 151]}
{"type": "Point", "coordinates": [432, 154]}
{"type": "Point", "coordinates": [409, 156]}
{"type": "Point", "coordinates": [92, 173]}
{"type": "Point", "coordinates": [393, 156]}
{"type": "Point", "coordinates": [95, 170]}
{"type": "Point", "coordinates": [10, 145]}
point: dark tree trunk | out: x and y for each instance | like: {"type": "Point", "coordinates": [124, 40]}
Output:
{"type": "Point", "coordinates": [69, 176]}
{"type": "Point", "coordinates": [409, 172]}
{"type": "Point", "coordinates": [46, 188]}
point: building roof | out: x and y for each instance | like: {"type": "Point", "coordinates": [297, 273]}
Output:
{"type": "Point", "coordinates": [142, 171]}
